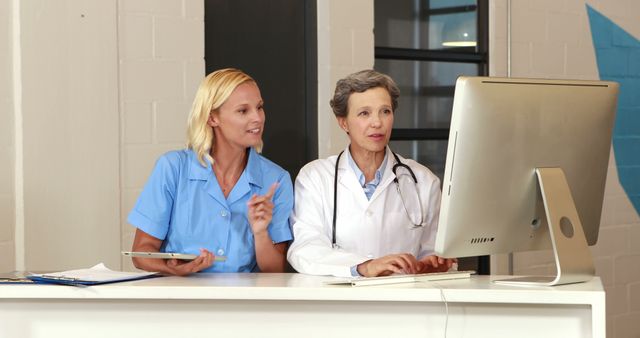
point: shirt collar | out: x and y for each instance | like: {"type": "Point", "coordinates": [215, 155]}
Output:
{"type": "Point", "coordinates": [360, 175]}
{"type": "Point", "coordinates": [196, 170]}
{"type": "Point", "coordinates": [253, 172]}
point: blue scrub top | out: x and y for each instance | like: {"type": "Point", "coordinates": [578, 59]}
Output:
{"type": "Point", "coordinates": [183, 205]}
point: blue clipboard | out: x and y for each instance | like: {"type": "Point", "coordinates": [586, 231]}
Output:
{"type": "Point", "coordinates": [96, 275]}
{"type": "Point", "coordinates": [48, 279]}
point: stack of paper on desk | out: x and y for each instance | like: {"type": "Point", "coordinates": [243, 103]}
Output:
{"type": "Point", "coordinates": [15, 277]}
{"type": "Point", "coordinates": [98, 274]}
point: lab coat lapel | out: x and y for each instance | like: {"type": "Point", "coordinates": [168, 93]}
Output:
{"type": "Point", "coordinates": [347, 179]}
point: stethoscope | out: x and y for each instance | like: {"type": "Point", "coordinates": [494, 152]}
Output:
{"type": "Point", "coordinates": [398, 164]}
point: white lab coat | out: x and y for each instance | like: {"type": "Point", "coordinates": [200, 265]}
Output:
{"type": "Point", "coordinates": [365, 229]}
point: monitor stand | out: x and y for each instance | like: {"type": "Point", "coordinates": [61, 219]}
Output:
{"type": "Point", "coordinates": [573, 258]}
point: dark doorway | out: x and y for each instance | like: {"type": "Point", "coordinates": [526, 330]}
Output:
{"type": "Point", "coordinates": [275, 42]}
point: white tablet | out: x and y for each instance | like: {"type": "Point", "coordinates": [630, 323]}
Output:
{"type": "Point", "coordinates": [167, 255]}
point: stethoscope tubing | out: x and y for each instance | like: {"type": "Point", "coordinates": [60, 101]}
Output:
{"type": "Point", "coordinates": [335, 188]}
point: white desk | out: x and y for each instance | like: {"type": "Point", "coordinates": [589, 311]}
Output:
{"type": "Point", "coordinates": [295, 305]}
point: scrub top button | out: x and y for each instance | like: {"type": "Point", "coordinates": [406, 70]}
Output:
{"type": "Point", "coordinates": [220, 252]}
{"type": "Point", "coordinates": [223, 213]}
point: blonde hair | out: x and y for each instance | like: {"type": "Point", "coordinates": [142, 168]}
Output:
{"type": "Point", "coordinates": [214, 90]}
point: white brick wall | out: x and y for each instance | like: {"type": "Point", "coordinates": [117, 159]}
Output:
{"type": "Point", "coordinates": [7, 224]}
{"type": "Point", "coordinates": [161, 55]}
{"type": "Point", "coordinates": [66, 141]}
{"type": "Point", "coordinates": [552, 39]}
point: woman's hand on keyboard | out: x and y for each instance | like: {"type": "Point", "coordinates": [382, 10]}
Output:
{"type": "Point", "coordinates": [398, 263]}
{"type": "Point", "coordinates": [434, 263]}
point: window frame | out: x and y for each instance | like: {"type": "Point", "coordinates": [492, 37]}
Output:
{"type": "Point", "coordinates": [475, 55]}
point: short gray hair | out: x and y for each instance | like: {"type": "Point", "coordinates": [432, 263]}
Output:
{"type": "Point", "coordinates": [360, 82]}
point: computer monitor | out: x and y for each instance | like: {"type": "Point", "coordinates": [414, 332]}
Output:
{"type": "Point", "coordinates": [523, 154]}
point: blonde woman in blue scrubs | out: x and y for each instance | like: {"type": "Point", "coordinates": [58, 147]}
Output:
{"type": "Point", "coordinates": [218, 197]}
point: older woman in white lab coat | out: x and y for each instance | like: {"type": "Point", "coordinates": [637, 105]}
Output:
{"type": "Point", "coordinates": [379, 229]}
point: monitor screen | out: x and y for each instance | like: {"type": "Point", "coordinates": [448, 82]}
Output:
{"type": "Point", "coordinates": [504, 133]}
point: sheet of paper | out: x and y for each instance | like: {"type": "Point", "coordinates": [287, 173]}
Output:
{"type": "Point", "coordinates": [97, 273]}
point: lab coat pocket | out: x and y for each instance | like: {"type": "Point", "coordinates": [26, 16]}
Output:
{"type": "Point", "coordinates": [399, 236]}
